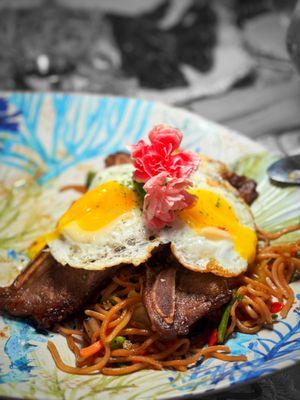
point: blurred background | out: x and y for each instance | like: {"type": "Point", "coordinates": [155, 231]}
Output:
{"type": "Point", "coordinates": [225, 59]}
{"type": "Point", "coordinates": [167, 49]}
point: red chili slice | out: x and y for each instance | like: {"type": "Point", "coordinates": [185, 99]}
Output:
{"type": "Point", "coordinates": [213, 337]}
{"type": "Point", "coordinates": [275, 307]}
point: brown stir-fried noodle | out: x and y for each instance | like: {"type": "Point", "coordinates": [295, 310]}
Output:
{"type": "Point", "coordinates": [120, 314]}
{"type": "Point", "coordinates": [268, 279]}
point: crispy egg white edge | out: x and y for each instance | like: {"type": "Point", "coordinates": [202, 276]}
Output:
{"type": "Point", "coordinates": [128, 234]}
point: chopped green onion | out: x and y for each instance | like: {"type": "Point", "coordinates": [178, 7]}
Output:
{"type": "Point", "coordinates": [89, 178]}
{"type": "Point", "coordinates": [222, 328]}
{"type": "Point", "coordinates": [117, 342]}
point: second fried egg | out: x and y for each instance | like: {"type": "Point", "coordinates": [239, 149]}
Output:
{"type": "Point", "coordinates": [217, 233]}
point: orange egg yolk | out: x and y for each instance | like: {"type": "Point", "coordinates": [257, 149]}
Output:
{"type": "Point", "coordinates": [91, 212]}
{"type": "Point", "coordinates": [212, 210]}
{"type": "Point", "coordinates": [99, 207]}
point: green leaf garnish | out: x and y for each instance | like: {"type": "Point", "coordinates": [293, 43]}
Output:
{"type": "Point", "coordinates": [138, 187]}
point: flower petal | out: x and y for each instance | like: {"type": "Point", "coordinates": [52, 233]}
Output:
{"type": "Point", "coordinates": [165, 138]}
{"type": "Point", "coordinates": [165, 171]}
{"type": "Point", "coordinates": [163, 198]}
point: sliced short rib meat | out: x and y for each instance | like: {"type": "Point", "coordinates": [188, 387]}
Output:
{"type": "Point", "coordinates": [118, 158]}
{"type": "Point", "coordinates": [176, 298]}
{"type": "Point", "coordinates": [244, 185]}
{"type": "Point", "coordinates": [47, 292]}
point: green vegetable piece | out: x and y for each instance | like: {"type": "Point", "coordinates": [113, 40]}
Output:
{"type": "Point", "coordinates": [138, 187]}
{"type": "Point", "coordinates": [117, 342]}
{"type": "Point", "coordinates": [222, 328]}
{"type": "Point", "coordinates": [239, 297]}
{"type": "Point", "coordinates": [89, 178]}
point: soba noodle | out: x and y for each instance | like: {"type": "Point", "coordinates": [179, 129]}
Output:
{"type": "Point", "coordinates": [117, 316]}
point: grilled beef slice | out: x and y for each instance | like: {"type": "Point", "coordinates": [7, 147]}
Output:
{"type": "Point", "coordinates": [47, 292]}
{"type": "Point", "coordinates": [118, 158]}
{"type": "Point", "coordinates": [245, 186]}
{"type": "Point", "coordinates": [176, 298]}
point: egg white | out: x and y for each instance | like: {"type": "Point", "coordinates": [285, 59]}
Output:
{"type": "Point", "coordinates": [126, 240]}
{"type": "Point", "coordinates": [211, 249]}
{"type": "Point", "coordinates": [123, 241]}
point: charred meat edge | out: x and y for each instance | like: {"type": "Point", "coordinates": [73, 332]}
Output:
{"type": "Point", "coordinates": [176, 298]}
{"type": "Point", "coordinates": [47, 292]}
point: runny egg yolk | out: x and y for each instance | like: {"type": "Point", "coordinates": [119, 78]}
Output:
{"type": "Point", "coordinates": [212, 210]}
{"type": "Point", "coordinates": [91, 212]}
{"type": "Point", "coordinates": [99, 207]}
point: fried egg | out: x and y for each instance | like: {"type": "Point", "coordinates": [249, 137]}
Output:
{"type": "Point", "coordinates": [104, 227]}
{"type": "Point", "coordinates": [217, 233]}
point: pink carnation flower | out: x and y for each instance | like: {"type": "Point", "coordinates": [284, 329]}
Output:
{"type": "Point", "coordinates": [165, 171]}
{"type": "Point", "coordinates": [163, 197]}
{"type": "Point", "coordinates": [162, 155]}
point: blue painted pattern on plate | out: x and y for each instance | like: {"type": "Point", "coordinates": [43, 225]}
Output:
{"type": "Point", "coordinates": [44, 135]}
{"type": "Point", "coordinates": [83, 128]}
{"type": "Point", "coordinates": [18, 348]}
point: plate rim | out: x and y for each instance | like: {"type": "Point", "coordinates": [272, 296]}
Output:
{"type": "Point", "coordinates": [188, 113]}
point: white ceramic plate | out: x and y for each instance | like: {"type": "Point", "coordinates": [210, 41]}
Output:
{"type": "Point", "coordinates": [47, 141]}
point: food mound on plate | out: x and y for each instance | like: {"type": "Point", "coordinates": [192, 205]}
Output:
{"type": "Point", "coordinates": [155, 265]}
